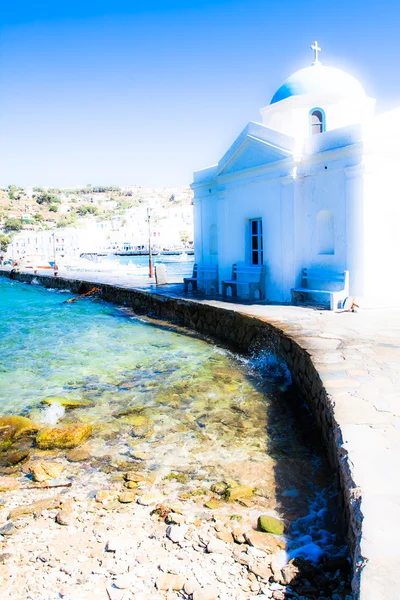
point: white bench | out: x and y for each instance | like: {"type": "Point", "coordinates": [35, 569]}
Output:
{"type": "Point", "coordinates": [251, 276]}
{"type": "Point", "coordinates": [204, 277]}
{"type": "Point", "coordinates": [316, 282]}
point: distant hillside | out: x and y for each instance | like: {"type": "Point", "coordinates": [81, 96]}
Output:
{"type": "Point", "coordinates": [45, 208]}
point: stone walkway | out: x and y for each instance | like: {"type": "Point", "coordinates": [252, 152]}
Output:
{"type": "Point", "coordinates": [358, 358]}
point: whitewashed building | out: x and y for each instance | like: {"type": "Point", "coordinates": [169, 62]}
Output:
{"type": "Point", "coordinates": [313, 185]}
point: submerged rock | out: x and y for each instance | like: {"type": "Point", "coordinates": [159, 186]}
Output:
{"type": "Point", "coordinates": [70, 437]}
{"type": "Point", "coordinates": [127, 497]}
{"type": "Point", "coordinates": [78, 455]}
{"type": "Point", "coordinates": [13, 428]}
{"type": "Point", "coordinates": [180, 477]}
{"type": "Point", "coordinates": [270, 524]}
{"type": "Point", "coordinates": [42, 471]}
{"type": "Point", "coordinates": [238, 492]}
{"type": "Point", "coordinates": [219, 488]}
{"type": "Point", "coordinates": [6, 437]}
{"type": "Point", "coordinates": [15, 457]}
{"type": "Point", "coordinates": [66, 402]}
{"type": "Point", "coordinates": [7, 484]}
{"type": "Point", "coordinates": [134, 476]}
{"type": "Point", "coordinates": [104, 496]}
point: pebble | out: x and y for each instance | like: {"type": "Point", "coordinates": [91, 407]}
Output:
{"type": "Point", "coordinates": [8, 528]}
{"type": "Point", "coordinates": [217, 547]}
{"type": "Point", "coordinates": [65, 517]}
{"type": "Point", "coordinates": [123, 582]}
{"type": "Point", "coordinates": [127, 497]}
{"type": "Point", "coordinates": [169, 581]}
{"type": "Point", "coordinates": [105, 496]}
{"type": "Point", "coordinates": [191, 585]}
{"type": "Point", "coordinates": [210, 592]}
{"type": "Point", "coordinates": [147, 500]}
{"type": "Point", "coordinates": [176, 533]}
{"type": "Point", "coordinates": [176, 518]}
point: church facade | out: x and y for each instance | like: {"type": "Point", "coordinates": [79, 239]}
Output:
{"type": "Point", "coordinates": [313, 185]}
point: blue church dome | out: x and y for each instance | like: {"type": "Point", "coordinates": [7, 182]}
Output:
{"type": "Point", "coordinates": [320, 80]}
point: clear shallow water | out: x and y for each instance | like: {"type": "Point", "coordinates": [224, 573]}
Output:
{"type": "Point", "coordinates": [204, 411]}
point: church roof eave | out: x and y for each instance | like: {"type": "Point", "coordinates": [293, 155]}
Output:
{"type": "Point", "coordinates": [278, 146]}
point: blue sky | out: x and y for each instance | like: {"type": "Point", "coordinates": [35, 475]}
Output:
{"type": "Point", "coordinates": [145, 93]}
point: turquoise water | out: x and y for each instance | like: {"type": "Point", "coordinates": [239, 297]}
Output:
{"type": "Point", "coordinates": [206, 412]}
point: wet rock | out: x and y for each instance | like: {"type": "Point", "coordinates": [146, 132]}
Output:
{"type": "Point", "coordinates": [131, 485]}
{"type": "Point", "coordinates": [264, 492]}
{"type": "Point", "coordinates": [35, 507]}
{"type": "Point", "coordinates": [104, 496]}
{"type": "Point", "coordinates": [142, 426]}
{"type": "Point", "coordinates": [70, 437]}
{"type": "Point", "coordinates": [289, 573]}
{"type": "Point", "coordinates": [42, 471]}
{"type": "Point", "coordinates": [15, 457]}
{"type": "Point", "coordinates": [21, 425]}
{"type": "Point", "coordinates": [7, 529]}
{"type": "Point", "coordinates": [238, 492]}
{"type": "Point", "coordinates": [127, 497]}
{"type": "Point", "coordinates": [67, 402]}
{"type": "Point", "coordinates": [264, 541]}
{"type": "Point", "coordinates": [219, 488]}
{"type": "Point", "coordinates": [7, 484]}
{"type": "Point", "coordinates": [270, 525]}
{"type": "Point", "coordinates": [169, 581]}
{"type": "Point", "coordinates": [78, 455]}
{"type": "Point", "coordinates": [6, 437]}
{"type": "Point", "coordinates": [213, 504]}
{"type": "Point", "coordinates": [180, 477]}
{"type": "Point", "coordinates": [340, 563]}
{"type": "Point", "coordinates": [134, 476]}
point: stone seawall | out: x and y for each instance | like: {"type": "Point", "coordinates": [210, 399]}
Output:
{"type": "Point", "coordinates": [246, 333]}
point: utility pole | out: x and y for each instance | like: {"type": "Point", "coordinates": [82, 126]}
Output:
{"type": "Point", "coordinates": [150, 248]}
{"type": "Point", "coordinates": [54, 252]}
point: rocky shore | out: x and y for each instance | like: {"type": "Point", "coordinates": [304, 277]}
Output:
{"type": "Point", "coordinates": [118, 533]}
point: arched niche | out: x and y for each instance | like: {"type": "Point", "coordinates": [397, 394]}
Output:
{"type": "Point", "coordinates": [325, 232]}
{"type": "Point", "coordinates": [213, 240]}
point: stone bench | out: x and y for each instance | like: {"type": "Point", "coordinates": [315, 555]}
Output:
{"type": "Point", "coordinates": [250, 276]}
{"type": "Point", "coordinates": [320, 283]}
{"type": "Point", "coordinates": [204, 277]}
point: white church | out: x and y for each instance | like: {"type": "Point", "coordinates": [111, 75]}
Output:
{"type": "Point", "coordinates": [315, 185]}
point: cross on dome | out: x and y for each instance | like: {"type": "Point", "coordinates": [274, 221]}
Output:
{"type": "Point", "coordinates": [316, 49]}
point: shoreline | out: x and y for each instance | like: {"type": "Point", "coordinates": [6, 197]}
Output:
{"type": "Point", "coordinates": [315, 345]}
